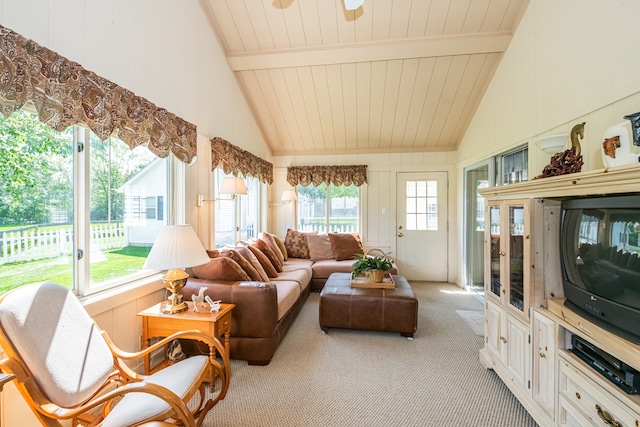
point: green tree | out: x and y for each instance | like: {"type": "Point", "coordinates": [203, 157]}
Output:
{"type": "Point", "coordinates": [35, 159]}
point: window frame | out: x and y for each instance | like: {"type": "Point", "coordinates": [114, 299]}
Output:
{"type": "Point", "coordinates": [82, 216]}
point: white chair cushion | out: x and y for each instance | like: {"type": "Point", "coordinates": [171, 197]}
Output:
{"type": "Point", "coordinates": [136, 407]}
{"type": "Point", "coordinates": [58, 341]}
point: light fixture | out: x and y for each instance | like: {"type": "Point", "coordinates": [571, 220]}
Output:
{"type": "Point", "coordinates": [353, 4]}
{"type": "Point", "coordinates": [230, 185]}
{"type": "Point", "coordinates": [552, 144]}
{"type": "Point", "coordinates": [287, 197]}
{"type": "Point", "coordinates": [176, 248]}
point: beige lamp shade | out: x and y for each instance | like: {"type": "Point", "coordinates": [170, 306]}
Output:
{"type": "Point", "coordinates": [177, 246]}
{"type": "Point", "coordinates": [233, 185]}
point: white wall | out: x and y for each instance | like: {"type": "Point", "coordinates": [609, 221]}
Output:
{"type": "Point", "coordinates": [165, 51]}
{"type": "Point", "coordinates": [569, 61]}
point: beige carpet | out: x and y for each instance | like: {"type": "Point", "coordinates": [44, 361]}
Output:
{"type": "Point", "coordinates": [474, 319]}
{"type": "Point", "coordinates": [364, 378]}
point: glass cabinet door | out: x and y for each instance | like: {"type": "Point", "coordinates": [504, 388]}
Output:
{"type": "Point", "coordinates": [516, 256]}
{"type": "Point", "coordinates": [496, 251]}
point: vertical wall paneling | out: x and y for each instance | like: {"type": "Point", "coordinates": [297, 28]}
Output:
{"type": "Point", "coordinates": [99, 38]}
{"type": "Point", "coordinates": [67, 14]}
{"type": "Point", "coordinates": [124, 52]}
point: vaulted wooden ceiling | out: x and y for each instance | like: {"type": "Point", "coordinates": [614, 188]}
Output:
{"type": "Point", "coordinates": [391, 76]}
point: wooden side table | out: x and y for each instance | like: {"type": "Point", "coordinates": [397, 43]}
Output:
{"type": "Point", "coordinates": [155, 323]}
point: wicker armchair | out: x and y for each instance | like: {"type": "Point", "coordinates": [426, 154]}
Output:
{"type": "Point", "coordinates": [66, 368]}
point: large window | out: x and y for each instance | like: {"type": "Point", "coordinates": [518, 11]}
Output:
{"type": "Point", "coordinates": [328, 209]}
{"type": "Point", "coordinates": [236, 219]}
{"type": "Point", "coordinates": [74, 209]}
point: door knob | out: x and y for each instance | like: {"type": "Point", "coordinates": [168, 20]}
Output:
{"type": "Point", "coordinates": [400, 234]}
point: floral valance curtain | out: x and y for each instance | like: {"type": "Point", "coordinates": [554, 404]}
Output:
{"type": "Point", "coordinates": [336, 175]}
{"type": "Point", "coordinates": [235, 160]}
{"type": "Point", "coordinates": [65, 94]}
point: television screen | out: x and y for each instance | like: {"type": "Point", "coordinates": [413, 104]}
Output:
{"type": "Point", "coordinates": [601, 259]}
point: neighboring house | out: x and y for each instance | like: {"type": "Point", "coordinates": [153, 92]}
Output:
{"type": "Point", "coordinates": [145, 203]}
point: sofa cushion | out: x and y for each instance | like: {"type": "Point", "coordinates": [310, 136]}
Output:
{"type": "Point", "coordinates": [266, 249]}
{"type": "Point", "coordinates": [244, 263]}
{"type": "Point", "coordinates": [302, 275]}
{"type": "Point", "coordinates": [271, 241]}
{"type": "Point", "coordinates": [296, 244]}
{"type": "Point", "coordinates": [319, 247]}
{"type": "Point", "coordinates": [264, 261]}
{"type": "Point", "coordinates": [282, 247]}
{"type": "Point", "coordinates": [249, 256]}
{"type": "Point", "coordinates": [221, 268]}
{"type": "Point", "coordinates": [345, 245]}
{"type": "Point", "coordinates": [288, 294]}
{"type": "Point", "coordinates": [323, 269]}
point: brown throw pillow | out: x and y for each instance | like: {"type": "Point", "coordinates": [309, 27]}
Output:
{"type": "Point", "coordinates": [243, 263]}
{"type": "Point", "coordinates": [221, 268]}
{"type": "Point", "coordinates": [266, 249]}
{"type": "Point", "coordinates": [213, 253]}
{"type": "Point", "coordinates": [296, 244]}
{"type": "Point", "coordinates": [345, 245]}
{"type": "Point", "coordinates": [271, 241]}
{"type": "Point", "coordinates": [282, 247]}
{"type": "Point", "coordinates": [319, 247]}
{"type": "Point", "coordinates": [264, 261]}
{"type": "Point", "coordinates": [249, 256]}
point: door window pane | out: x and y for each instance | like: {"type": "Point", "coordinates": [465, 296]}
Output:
{"type": "Point", "coordinates": [422, 205]}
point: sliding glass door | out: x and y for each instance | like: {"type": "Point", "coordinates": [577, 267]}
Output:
{"type": "Point", "coordinates": [476, 177]}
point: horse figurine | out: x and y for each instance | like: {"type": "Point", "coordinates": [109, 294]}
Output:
{"type": "Point", "coordinates": [577, 133]}
{"type": "Point", "coordinates": [198, 299]}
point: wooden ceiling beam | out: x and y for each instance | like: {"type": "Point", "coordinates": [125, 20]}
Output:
{"type": "Point", "coordinates": [366, 52]}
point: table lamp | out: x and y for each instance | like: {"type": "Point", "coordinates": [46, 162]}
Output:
{"type": "Point", "coordinates": [176, 248]}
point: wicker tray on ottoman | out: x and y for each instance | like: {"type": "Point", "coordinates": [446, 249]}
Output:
{"type": "Point", "coordinates": [387, 310]}
{"type": "Point", "coordinates": [364, 283]}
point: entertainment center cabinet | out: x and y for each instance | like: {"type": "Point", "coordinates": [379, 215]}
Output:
{"type": "Point", "coordinates": [528, 330]}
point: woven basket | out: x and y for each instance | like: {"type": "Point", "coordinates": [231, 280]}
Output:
{"type": "Point", "coordinates": [375, 276]}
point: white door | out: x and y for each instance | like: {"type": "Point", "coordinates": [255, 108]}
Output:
{"type": "Point", "coordinates": [421, 231]}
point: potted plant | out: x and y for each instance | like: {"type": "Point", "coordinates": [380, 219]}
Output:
{"type": "Point", "coordinates": [373, 267]}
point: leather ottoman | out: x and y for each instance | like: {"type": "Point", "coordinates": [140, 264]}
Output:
{"type": "Point", "coordinates": [387, 310]}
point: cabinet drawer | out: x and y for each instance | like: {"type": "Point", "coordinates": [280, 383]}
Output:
{"type": "Point", "coordinates": [570, 416]}
{"type": "Point", "coordinates": [591, 400]}
{"type": "Point", "coordinates": [223, 326]}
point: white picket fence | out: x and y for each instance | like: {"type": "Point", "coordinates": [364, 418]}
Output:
{"type": "Point", "coordinates": [333, 228]}
{"type": "Point", "coordinates": [34, 244]}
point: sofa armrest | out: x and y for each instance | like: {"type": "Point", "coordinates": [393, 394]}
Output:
{"type": "Point", "coordinates": [256, 311]}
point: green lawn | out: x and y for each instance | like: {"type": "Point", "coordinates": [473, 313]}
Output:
{"type": "Point", "coordinates": [119, 262]}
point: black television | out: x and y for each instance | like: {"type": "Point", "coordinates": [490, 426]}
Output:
{"type": "Point", "coordinates": [600, 261]}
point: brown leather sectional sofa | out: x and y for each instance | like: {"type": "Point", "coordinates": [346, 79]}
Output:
{"type": "Point", "coordinates": [265, 311]}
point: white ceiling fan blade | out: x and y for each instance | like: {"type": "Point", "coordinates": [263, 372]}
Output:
{"type": "Point", "coordinates": [353, 4]}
